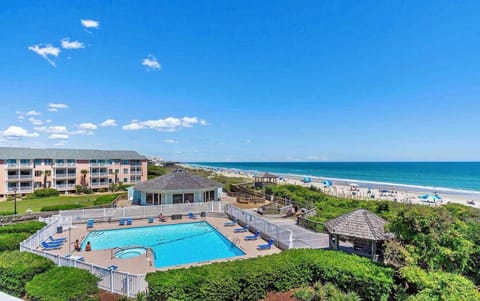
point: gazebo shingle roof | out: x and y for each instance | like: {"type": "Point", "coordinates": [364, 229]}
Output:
{"type": "Point", "coordinates": [360, 223]}
{"type": "Point", "coordinates": [266, 175]}
{"type": "Point", "coordinates": [177, 181]}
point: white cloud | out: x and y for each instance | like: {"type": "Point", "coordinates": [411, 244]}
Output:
{"type": "Point", "coordinates": [58, 136]}
{"type": "Point", "coordinates": [35, 121]}
{"type": "Point", "coordinates": [169, 124]}
{"type": "Point", "coordinates": [53, 107]}
{"type": "Point", "coordinates": [48, 121]}
{"type": "Point", "coordinates": [90, 23]}
{"type": "Point", "coordinates": [46, 52]}
{"type": "Point", "coordinates": [171, 141]}
{"type": "Point", "coordinates": [151, 63]}
{"type": "Point", "coordinates": [33, 113]}
{"type": "Point", "coordinates": [61, 143]}
{"type": "Point", "coordinates": [52, 129]}
{"type": "Point", "coordinates": [87, 126]}
{"type": "Point", "coordinates": [66, 44]}
{"type": "Point", "coordinates": [17, 132]}
{"type": "Point", "coordinates": [108, 122]}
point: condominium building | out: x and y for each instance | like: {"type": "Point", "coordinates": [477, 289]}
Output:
{"type": "Point", "coordinates": [22, 170]}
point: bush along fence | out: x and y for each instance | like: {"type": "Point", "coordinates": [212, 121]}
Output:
{"type": "Point", "coordinates": [250, 279]}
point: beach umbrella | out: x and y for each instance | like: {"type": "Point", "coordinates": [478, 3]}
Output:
{"type": "Point", "coordinates": [428, 197]}
{"type": "Point", "coordinates": [306, 180]}
{"type": "Point", "coordinates": [327, 183]}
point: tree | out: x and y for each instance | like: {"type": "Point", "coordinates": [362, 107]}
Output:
{"type": "Point", "coordinates": [45, 173]}
{"type": "Point", "coordinates": [84, 173]}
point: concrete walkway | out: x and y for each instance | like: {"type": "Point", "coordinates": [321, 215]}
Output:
{"type": "Point", "coordinates": [302, 238]}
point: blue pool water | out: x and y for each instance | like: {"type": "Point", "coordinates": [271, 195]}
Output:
{"type": "Point", "coordinates": [172, 244]}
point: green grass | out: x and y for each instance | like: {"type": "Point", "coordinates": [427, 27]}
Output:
{"type": "Point", "coordinates": [36, 204]}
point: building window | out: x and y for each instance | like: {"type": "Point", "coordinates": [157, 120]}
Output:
{"type": "Point", "coordinates": [125, 162]}
{"type": "Point", "coordinates": [125, 171]}
{"type": "Point", "coordinates": [38, 185]}
{"type": "Point", "coordinates": [125, 180]}
{"type": "Point", "coordinates": [38, 173]}
{"type": "Point", "coordinates": [25, 162]}
{"type": "Point", "coordinates": [38, 161]}
{"type": "Point", "coordinates": [188, 197]}
{"type": "Point", "coordinates": [177, 198]}
{"type": "Point", "coordinates": [48, 162]}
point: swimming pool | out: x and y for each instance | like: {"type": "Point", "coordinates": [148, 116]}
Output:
{"type": "Point", "coordinates": [172, 244]}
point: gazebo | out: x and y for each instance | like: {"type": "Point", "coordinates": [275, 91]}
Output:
{"type": "Point", "coordinates": [175, 188]}
{"type": "Point", "coordinates": [361, 227]}
{"type": "Point", "coordinates": [265, 179]}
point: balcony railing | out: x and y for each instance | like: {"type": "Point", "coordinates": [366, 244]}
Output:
{"type": "Point", "coordinates": [98, 164]}
{"type": "Point", "coordinates": [99, 184]}
{"type": "Point", "coordinates": [65, 175]}
{"type": "Point", "coordinates": [64, 186]}
{"type": "Point", "coordinates": [99, 174]}
{"type": "Point", "coordinates": [20, 189]}
{"type": "Point", "coordinates": [19, 177]}
{"type": "Point", "coordinates": [26, 188]}
{"type": "Point", "coordinates": [18, 165]}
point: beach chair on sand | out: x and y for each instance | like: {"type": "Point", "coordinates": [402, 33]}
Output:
{"type": "Point", "coordinates": [252, 237]}
{"type": "Point", "coordinates": [266, 246]}
{"type": "Point", "coordinates": [231, 223]}
{"type": "Point", "coordinates": [240, 230]}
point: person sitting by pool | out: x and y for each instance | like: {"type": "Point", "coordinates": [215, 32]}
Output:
{"type": "Point", "coordinates": [76, 246]}
{"type": "Point", "coordinates": [162, 218]}
{"type": "Point", "coordinates": [88, 247]}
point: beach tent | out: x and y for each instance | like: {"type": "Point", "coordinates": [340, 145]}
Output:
{"type": "Point", "coordinates": [306, 180]}
{"type": "Point", "coordinates": [327, 183]}
{"type": "Point", "coordinates": [431, 198]}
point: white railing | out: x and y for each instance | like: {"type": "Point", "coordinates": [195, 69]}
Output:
{"type": "Point", "coordinates": [80, 215]}
{"type": "Point", "coordinates": [283, 237]}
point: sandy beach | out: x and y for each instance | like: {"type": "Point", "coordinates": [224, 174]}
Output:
{"type": "Point", "coordinates": [366, 191]}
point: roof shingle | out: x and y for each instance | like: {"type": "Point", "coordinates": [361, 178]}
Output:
{"type": "Point", "coordinates": [360, 223]}
{"type": "Point", "coordinates": [58, 153]}
{"type": "Point", "coordinates": [177, 181]}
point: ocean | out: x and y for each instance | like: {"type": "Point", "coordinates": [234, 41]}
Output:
{"type": "Point", "coordinates": [452, 177]}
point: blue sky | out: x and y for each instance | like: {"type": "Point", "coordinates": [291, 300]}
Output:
{"type": "Point", "coordinates": [244, 80]}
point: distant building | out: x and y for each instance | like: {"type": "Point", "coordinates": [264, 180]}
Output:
{"type": "Point", "coordinates": [175, 188]}
{"type": "Point", "coordinates": [22, 170]}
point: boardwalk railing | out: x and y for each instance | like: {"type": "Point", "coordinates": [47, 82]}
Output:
{"type": "Point", "coordinates": [283, 237]}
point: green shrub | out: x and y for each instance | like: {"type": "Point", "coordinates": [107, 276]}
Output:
{"type": "Point", "coordinates": [30, 227]}
{"type": "Point", "coordinates": [11, 241]}
{"type": "Point", "coordinates": [102, 190]}
{"type": "Point", "coordinates": [438, 285]}
{"type": "Point", "coordinates": [5, 213]}
{"type": "Point", "coordinates": [305, 294]}
{"type": "Point", "coordinates": [105, 199]}
{"type": "Point", "coordinates": [62, 284]}
{"type": "Point", "coordinates": [61, 207]}
{"type": "Point", "coordinates": [45, 192]}
{"type": "Point", "coordinates": [17, 268]}
{"type": "Point", "coordinates": [250, 279]}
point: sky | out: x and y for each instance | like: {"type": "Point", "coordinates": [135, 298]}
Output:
{"type": "Point", "coordinates": [199, 81]}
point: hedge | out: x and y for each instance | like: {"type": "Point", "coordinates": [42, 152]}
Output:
{"type": "Point", "coordinates": [11, 241]}
{"type": "Point", "coordinates": [17, 268]}
{"type": "Point", "coordinates": [250, 279]}
{"type": "Point", "coordinates": [63, 284]}
{"type": "Point", "coordinates": [105, 199]}
{"type": "Point", "coordinates": [30, 227]}
{"type": "Point", "coordinates": [61, 207]}
{"type": "Point", "coordinates": [45, 192]}
{"type": "Point", "coordinates": [438, 285]}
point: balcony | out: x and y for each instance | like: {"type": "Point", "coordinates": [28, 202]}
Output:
{"type": "Point", "coordinates": [99, 174]}
{"type": "Point", "coordinates": [65, 175]}
{"type": "Point", "coordinates": [65, 186]}
{"type": "Point", "coordinates": [16, 166]}
{"type": "Point", "coordinates": [135, 172]}
{"type": "Point", "coordinates": [19, 177]}
{"type": "Point", "coordinates": [98, 164]}
{"type": "Point", "coordinates": [100, 184]}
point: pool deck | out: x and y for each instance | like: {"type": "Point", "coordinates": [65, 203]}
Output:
{"type": "Point", "coordinates": [144, 263]}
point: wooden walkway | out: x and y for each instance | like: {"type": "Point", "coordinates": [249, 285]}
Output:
{"type": "Point", "coordinates": [302, 238]}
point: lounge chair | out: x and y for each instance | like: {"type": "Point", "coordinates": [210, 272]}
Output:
{"type": "Point", "coordinates": [266, 246]}
{"type": "Point", "coordinates": [129, 222]}
{"type": "Point", "coordinates": [112, 267]}
{"type": "Point", "coordinates": [121, 222]}
{"type": "Point", "coordinates": [46, 245]}
{"type": "Point", "coordinates": [150, 220]}
{"type": "Point", "coordinates": [192, 216]}
{"type": "Point", "coordinates": [252, 237]}
{"type": "Point", "coordinates": [240, 230]}
{"type": "Point", "coordinates": [61, 239]}
{"type": "Point", "coordinates": [231, 223]}
{"type": "Point", "coordinates": [47, 248]}
{"type": "Point", "coordinates": [90, 223]}
{"type": "Point", "coordinates": [75, 257]}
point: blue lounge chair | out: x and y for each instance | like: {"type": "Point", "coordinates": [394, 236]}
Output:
{"type": "Point", "coordinates": [191, 215]}
{"type": "Point", "coordinates": [47, 248]}
{"type": "Point", "coordinates": [231, 223]}
{"type": "Point", "coordinates": [112, 267]}
{"type": "Point", "coordinates": [266, 246]}
{"type": "Point", "coordinates": [150, 220]}
{"type": "Point", "coordinates": [121, 222]}
{"type": "Point", "coordinates": [252, 237]}
{"type": "Point", "coordinates": [46, 245]}
{"type": "Point", "coordinates": [240, 230]}
{"type": "Point", "coordinates": [129, 222]}
{"type": "Point", "coordinates": [53, 239]}
{"type": "Point", "coordinates": [90, 223]}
